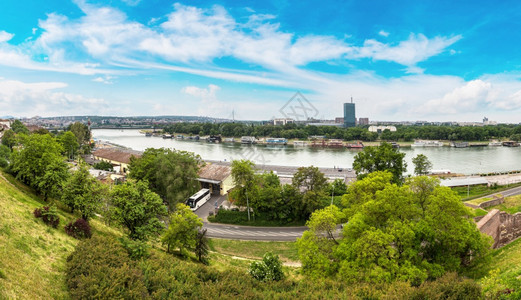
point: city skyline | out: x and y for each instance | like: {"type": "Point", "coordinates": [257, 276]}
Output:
{"type": "Point", "coordinates": [434, 60]}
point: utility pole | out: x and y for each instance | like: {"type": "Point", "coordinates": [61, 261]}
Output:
{"type": "Point", "coordinates": [248, 205]}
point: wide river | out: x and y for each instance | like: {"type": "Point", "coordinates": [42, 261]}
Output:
{"type": "Point", "coordinates": [457, 160]}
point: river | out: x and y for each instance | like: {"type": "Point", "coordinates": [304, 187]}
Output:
{"type": "Point", "coordinates": [457, 160]}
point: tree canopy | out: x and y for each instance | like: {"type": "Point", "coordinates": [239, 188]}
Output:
{"type": "Point", "coordinates": [381, 158]}
{"type": "Point", "coordinates": [422, 165]}
{"type": "Point", "coordinates": [172, 174]}
{"type": "Point", "coordinates": [84, 193]}
{"type": "Point", "coordinates": [138, 209]}
{"type": "Point", "coordinates": [412, 232]}
{"type": "Point", "coordinates": [39, 163]}
{"type": "Point", "coordinates": [182, 232]}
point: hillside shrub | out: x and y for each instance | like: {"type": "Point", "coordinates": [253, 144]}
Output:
{"type": "Point", "coordinates": [49, 215]}
{"type": "Point", "coordinates": [100, 268]}
{"type": "Point", "coordinates": [269, 269]}
{"type": "Point", "coordinates": [80, 229]}
{"type": "Point", "coordinates": [136, 249]}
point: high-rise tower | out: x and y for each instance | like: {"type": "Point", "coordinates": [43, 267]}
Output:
{"type": "Point", "coordinates": [349, 114]}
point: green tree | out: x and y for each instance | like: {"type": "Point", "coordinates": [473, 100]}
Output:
{"type": "Point", "coordinates": [170, 173]}
{"type": "Point", "coordinates": [39, 155]}
{"type": "Point", "coordinates": [81, 132]}
{"type": "Point", "coordinates": [312, 185]}
{"type": "Point", "coordinates": [19, 127]}
{"type": "Point", "coordinates": [412, 232]}
{"type": "Point", "coordinates": [183, 230]}
{"type": "Point", "coordinates": [422, 165]}
{"type": "Point", "coordinates": [84, 193]}
{"type": "Point", "coordinates": [338, 187]}
{"type": "Point", "coordinates": [5, 155]}
{"type": "Point", "coordinates": [9, 139]}
{"type": "Point", "coordinates": [381, 158]}
{"type": "Point", "coordinates": [55, 176]}
{"type": "Point", "coordinates": [201, 246]}
{"type": "Point", "coordinates": [70, 144]}
{"type": "Point", "coordinates": [309, 179]}
{"type": "Point", "coordinates": [138, 209]}
{"type": "Point", "coordinates": [244, 180]}
{"type": "Point", "coordinates": [317, 245]}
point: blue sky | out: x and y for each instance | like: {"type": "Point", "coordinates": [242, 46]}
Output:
{"type": "Point", "coordinates": [399, 60]}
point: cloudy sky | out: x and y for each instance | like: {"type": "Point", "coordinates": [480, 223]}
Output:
{"type": "Point", "coordinates": [416, 60]}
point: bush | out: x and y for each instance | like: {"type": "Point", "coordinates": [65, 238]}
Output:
{"type": "Point", "coordinates": [100, 268]}
{"type": "Point", "coordinates": [136, 249]}
{"type": "Point", "coordinates": [104, 166]}
{"type": "Point", "coordinates": [236, 217]}
{"type": "Point", "coordinates": [80, 229]}
{"type": "Point", "coordinates": [269, 269]}
{"type": "Point", "coordinates": [3, 162]}
{"type": "Point", "coordinates": [449, 286]}
{"type": "Point", "coordinates": [49, 215]}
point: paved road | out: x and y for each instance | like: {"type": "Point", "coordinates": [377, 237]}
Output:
{"type": "Point", "coordinates": [235, 232]}
{"type": "Point", "coordinates": [511, 192]}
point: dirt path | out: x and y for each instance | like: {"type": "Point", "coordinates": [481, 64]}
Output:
{"type": "Point", "coordinates": [293, 264]}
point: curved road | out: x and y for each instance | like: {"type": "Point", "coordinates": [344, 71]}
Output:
{"type": "Point", "coordinates": [236, 232]}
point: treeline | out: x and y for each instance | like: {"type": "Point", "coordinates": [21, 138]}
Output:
{"type": "Point", "coordinates": [274, 203]}
{"type": "Point", "coordinates": [402, 133]}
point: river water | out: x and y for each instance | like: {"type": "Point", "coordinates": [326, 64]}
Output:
{"type": "Point", "coordinates": [457, 160]}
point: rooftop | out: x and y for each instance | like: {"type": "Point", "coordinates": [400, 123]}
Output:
{"type": "Point", "coordinates": [117, 154]}
{"type": "Point", "coordinates": [215, 172]}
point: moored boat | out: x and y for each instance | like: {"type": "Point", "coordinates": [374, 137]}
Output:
{"type": "Point", "coordinates": [427, 143]}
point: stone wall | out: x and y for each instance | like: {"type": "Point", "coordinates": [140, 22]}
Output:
{"type": "Point", "coordinates": [501, 226]}
{"type": "Point", "coordinates": [510, 228]}
{"type": "Point", "coordinates": [490, 225]}
{"type": "Point", "coordinates": [496, 201]}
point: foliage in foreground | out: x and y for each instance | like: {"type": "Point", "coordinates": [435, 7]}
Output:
{"type": "Point", "coordinates": [268, 269]}
{"type": "Point", "coordinates": [48, 214]}
{"type": "Point", "coordinates": [101, 268]}
{"type": "Point", "coordinates": [413, 232]}
{"type": "Point", "coordinates": [182, 230]}
{"type": "Point", "coordinates": [80, 229]}
{"type": "Point", "coordinates": [138, 209]}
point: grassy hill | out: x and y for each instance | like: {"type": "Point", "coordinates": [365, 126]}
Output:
{"type": "Point", "coordinates": [32, 254]}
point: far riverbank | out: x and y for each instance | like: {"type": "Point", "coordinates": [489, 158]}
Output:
{"type": "Point", "coordinates": [472, 160]}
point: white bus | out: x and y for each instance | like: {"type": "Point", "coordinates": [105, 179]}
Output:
{"type": "Point", "coordinates": [198, 199]}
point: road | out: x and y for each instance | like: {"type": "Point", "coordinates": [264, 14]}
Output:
{"type": "Point", "coordinates": [511, 192]}
{"type": "Point", "coordinates": [235, 232]}
{"type": "Point", "coordinates": [253, 233]}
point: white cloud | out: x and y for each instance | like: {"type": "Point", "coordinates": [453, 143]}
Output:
{"type": "Point", "coordinates": [131, 2]}
{"type": "Point", "coordinates": [383, 33]}
{"type": "Point", "coordinates": [472, 96]}
{"type": "Point", "coordinates": [42, 98]}
{"type": "Point", "coordinates": [195, 35]}
{"type": "Point", "coordinates": [5, 36]}
{"type": "Point", "coordinates": [208, 104]}
{"type": "Point", "coordinates": [106, 79]}
{"type": "Point", "coordinates": [416, 49]}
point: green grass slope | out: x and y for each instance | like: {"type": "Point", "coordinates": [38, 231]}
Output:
{"type": "Point", "coordinates": [32, 254]}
